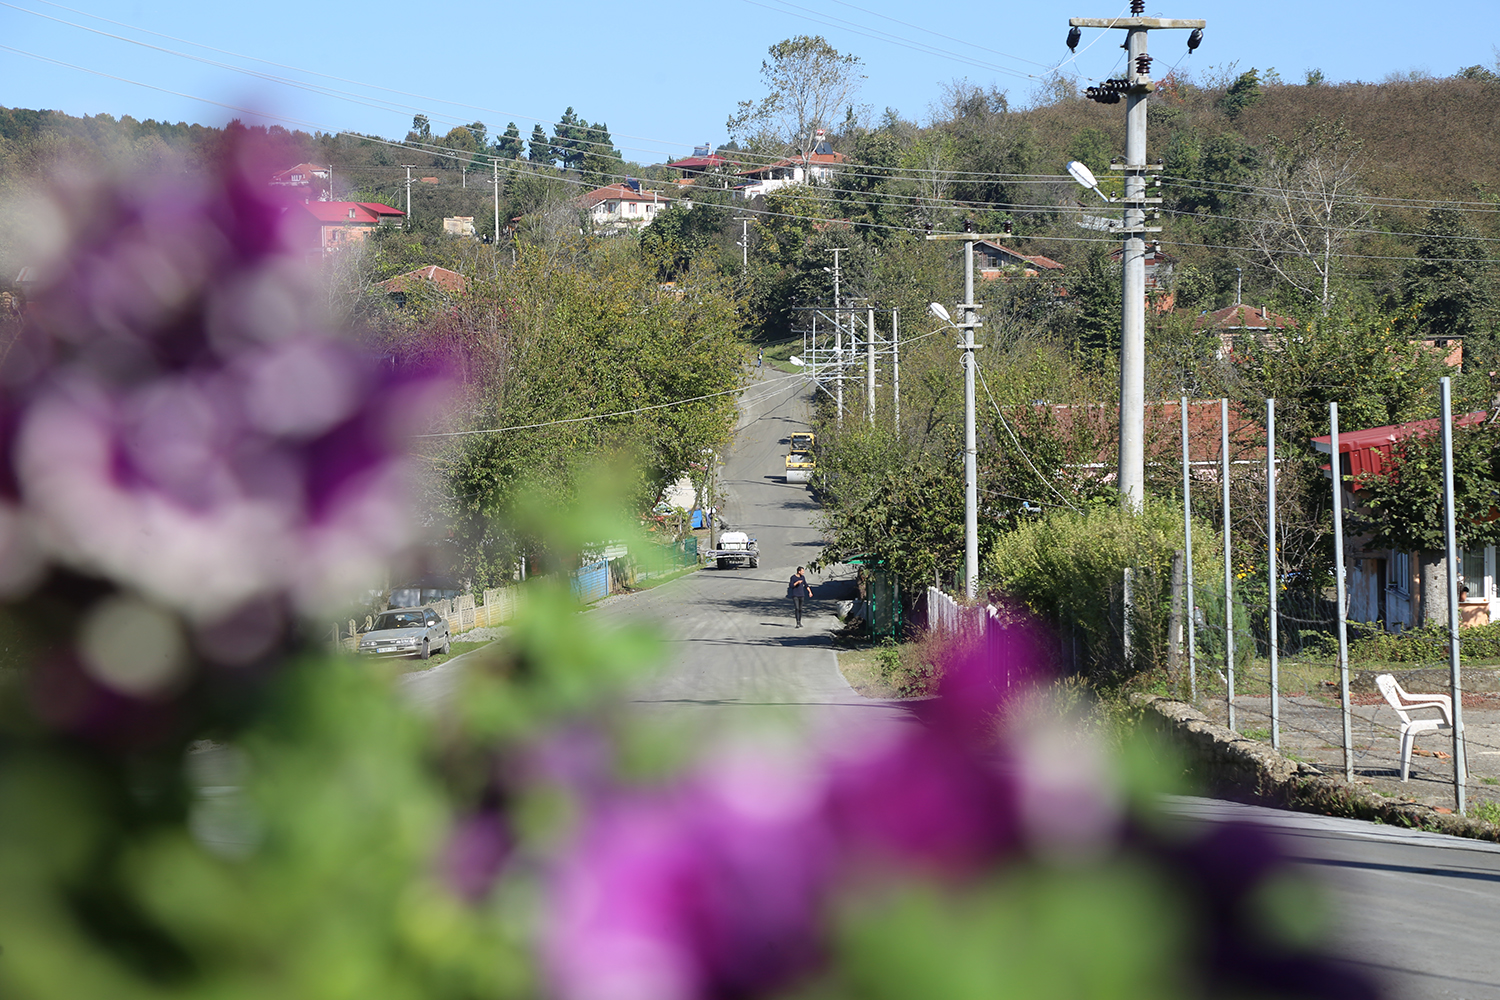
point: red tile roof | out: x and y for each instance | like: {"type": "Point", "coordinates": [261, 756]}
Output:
{"type": "Point", "coordinates": [621, 192]}
{"type": "Point", "coordinates": [365, 212]}
{"type": "Point", "coordinates": [1243, 317]}
{"type": "Point", "coordinates": [811, 159]}
{"type": "Point", "coordinates": [699, 162]}
{"type": "Point", "coordinates": [448, 281]}
{"type": "Point", "coordinates": [1047, 263]}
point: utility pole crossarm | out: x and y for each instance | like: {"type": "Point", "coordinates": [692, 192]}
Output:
{"type": "Point", "coordinates": [1137, 22]}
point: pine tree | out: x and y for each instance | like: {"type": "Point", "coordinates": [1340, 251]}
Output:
{"type": "Point", "coordinates": [540, 147]}
{"type": "Point", "coordinates": [509, 146]}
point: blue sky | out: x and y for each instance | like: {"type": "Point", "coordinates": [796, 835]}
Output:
{"type": "Point", "coordinates": [663, 78]}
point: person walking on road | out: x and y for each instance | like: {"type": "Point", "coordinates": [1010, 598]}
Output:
{"type": "Point", "coordinates": [798, 590]}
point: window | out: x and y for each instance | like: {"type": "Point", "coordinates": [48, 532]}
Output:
{"type": "Point", "coordinates": [1401, 572]}
{"type": "Point", "coordinates": [1471, 569]}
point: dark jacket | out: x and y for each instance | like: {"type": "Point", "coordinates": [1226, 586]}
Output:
{"type": "Point", "coordinates": [797, 586]}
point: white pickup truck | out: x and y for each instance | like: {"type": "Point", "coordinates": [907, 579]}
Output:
{"type": "Point", "coordinates": [735, 549]}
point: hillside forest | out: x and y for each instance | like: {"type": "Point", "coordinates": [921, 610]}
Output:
{"type": "Point", "coordinates": [1327, 205]}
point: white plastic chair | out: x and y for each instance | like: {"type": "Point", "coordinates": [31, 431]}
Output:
{"type": "Point", "coordinates": [1404, 703]}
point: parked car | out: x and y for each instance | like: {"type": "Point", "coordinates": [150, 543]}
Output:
{"type": "Point", "coordinates": [418, 632]}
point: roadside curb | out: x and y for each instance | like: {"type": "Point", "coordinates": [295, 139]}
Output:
{"type": "Point", "coordinates": [1242, 768]}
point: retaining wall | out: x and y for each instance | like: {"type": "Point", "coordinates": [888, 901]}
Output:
{"type": "Point", "coordinates": [1233, 766]}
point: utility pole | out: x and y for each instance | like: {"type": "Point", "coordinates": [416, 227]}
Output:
{"type": "Point", "coordinates": [971, 449]}
{"type": "Point", "coordinates": [896, 369]}
{"type": "Point", "coordinates": [1136, 86]}
{"type": "Point", "coordinates": [408, 167]}
{"type": "Point", "coordinates": [838, 342]}
{"type": "Point", "coordinates": [870, 364]}
{"type": "Point", "coordinates": [745, 246]}
{"type": "Point", "coordinates": [330, 182]}
{"type": "Point", "coordinates": [496, 165]}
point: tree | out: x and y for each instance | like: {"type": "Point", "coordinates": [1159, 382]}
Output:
{"type": "Point", "coordinates": [509, 146]}
{"type": "Point", "coordinates": [540, 147]}
{"type": "Point", "coordinates": [1448, 287]}
{"type": "Point", "coordinates": [569, 139]}
{"type": "Point", "coordinates": [1312, 204]}
{"type": "Point", "coordinates": [810, 82]}
{"type": "Point", "coordinates": [1403, 507]}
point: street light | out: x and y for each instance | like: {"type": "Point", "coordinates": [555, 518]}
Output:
{"type": "Point", "coordinates": [1084, 176]}
{"type": "Point", "coordinates": [936, 308]}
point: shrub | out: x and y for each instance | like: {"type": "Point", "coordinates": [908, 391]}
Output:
{"type": "Point", "coordinates": [1069, 567]}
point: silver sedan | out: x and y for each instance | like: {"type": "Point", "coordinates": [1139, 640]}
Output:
{"type": "Point", "coordinates": [418, 632]}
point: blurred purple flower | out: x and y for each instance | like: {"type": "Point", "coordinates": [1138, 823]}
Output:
{"type": "Point", "coordinates": [713, 888]}
{"type": "Point", "coordinates": [178, 419]}
{"type": "Point", "coordinates": [476, 853]}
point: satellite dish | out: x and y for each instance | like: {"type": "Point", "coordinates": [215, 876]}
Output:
{"type": "Point", "coordinates": [937, 310]}
{"type": "Point", "coordinates": [798, 362]}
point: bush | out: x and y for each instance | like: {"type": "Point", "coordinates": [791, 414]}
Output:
{"type": "Point", "coordinates": [1069, 567]}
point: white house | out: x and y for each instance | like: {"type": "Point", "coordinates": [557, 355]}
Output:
{"type": "Point", "coordinates": [811, 168]}
{"type": "Point", "coordinates": [624, 206]}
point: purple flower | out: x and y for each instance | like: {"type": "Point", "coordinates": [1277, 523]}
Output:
{"type": "Point", "coordinates": [713, 888]}
{"type": "Point", "coordinates": [177, 418]}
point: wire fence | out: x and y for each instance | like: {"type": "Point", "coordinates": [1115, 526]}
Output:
{"type": "Point", "coordinates": [1262, 637]}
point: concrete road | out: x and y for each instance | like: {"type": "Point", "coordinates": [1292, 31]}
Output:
{"type": "Point", "coordinates": [735, 652]}
{"type": "Point", "coordinates": [1420, 910]}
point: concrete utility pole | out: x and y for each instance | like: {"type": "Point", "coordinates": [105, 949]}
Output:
{"type": "Point", "coordinates": [496, 165]}
{"type": "Point", "coordinates": [408, 167]}
{"type": "Point", "coordinates": [896, 369]}
{"type": "Point", "coordinates": [1136, 85]}
{"type": "Point", "coordinates": [870, 364]}
{"type": "Point", "coordinates": [745, 246]}
{"type": "Point", "coordinates": [971, 449]}
{"type": "Point", "coordinates": [838, 342]}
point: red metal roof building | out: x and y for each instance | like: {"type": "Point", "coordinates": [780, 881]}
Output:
{"type": "Point", "coordinates": [1368, 452]}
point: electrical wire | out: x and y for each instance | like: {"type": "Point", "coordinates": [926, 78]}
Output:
{"type": "Point", "coordinates": [974, 359]}
{"type": "Point", "coordinates": [595, 416]}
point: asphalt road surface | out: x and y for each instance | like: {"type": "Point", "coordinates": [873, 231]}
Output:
{"type": "Point", "coordinates": [1421, 910]}
{"type": "Point", "coordinates": [734, 649]}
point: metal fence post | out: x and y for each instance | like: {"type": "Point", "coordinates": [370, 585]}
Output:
{"type": "Point", "coordinates": [1460, 762]}
{"type": "Point", "coordinates": [1187, 534]}
{"type": "Point", "coordinates": [1336, 467]}
{"type": "Point", "coordinates": [1273, 572]}
{"type": "Point", "coordinates": [1228, 562]}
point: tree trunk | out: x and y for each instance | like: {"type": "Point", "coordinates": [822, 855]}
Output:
{"type": "Point", "coordinates": [1432, 600]}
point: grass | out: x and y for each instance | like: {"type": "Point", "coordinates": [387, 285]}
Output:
{"type": "Point", "coordinates": [888, 671]}
{"type": "Point", "coordinates": [1488, 812]}
{"type": "Point", "coordinates": [1256, 734]}
{"type": "Point", "coordinates": [657, 581]}
{"type": "Point", "coordinates": [778, 353]}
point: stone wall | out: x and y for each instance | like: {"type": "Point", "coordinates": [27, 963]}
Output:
{"type": "Point", "coordinates": [1231, 766]}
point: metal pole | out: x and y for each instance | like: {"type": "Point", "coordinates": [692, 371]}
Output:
{"type": "Point", "coordinates": [896, 368]}
{"type": "Point", "coordinates": [870, 364]}
{"type": "Point", "coordinates": [1273, 571]}
{"type": "Point", "coordinates": [1228, 563]}
{"type": "Point", "coordinates": [1133, 289]}
{"type": "Point", "coordinates": [838, 341]}
{"type": "Point", "coordinates": [1336, 467]}
{"type": "Point", "coordinates": [1187, 541]}
{"type": "Point", "coordinates": [1455, 683]}
{"type": "Point", "coordinates": [971, 451]}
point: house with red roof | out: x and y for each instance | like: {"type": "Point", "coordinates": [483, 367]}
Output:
{"type": "Point", "coordinates": [1385, 585]}
{"type": "Point", "coordinates": [430, 279]}
{"type": "Point", "coordinates": [299, 181]}
{"type": "Point", "coordinates": [624, 206]}
{"type": "Point", "coordinates": [996, 259]}
{"type": "Point", "coordinates": [816, 167]}
{"type": "Point", "coordinates": [703, 161]}
{"type": "Point", "coordinates": [328, 225]}
{"type": "Point", "coordinates": [1238, 326]}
